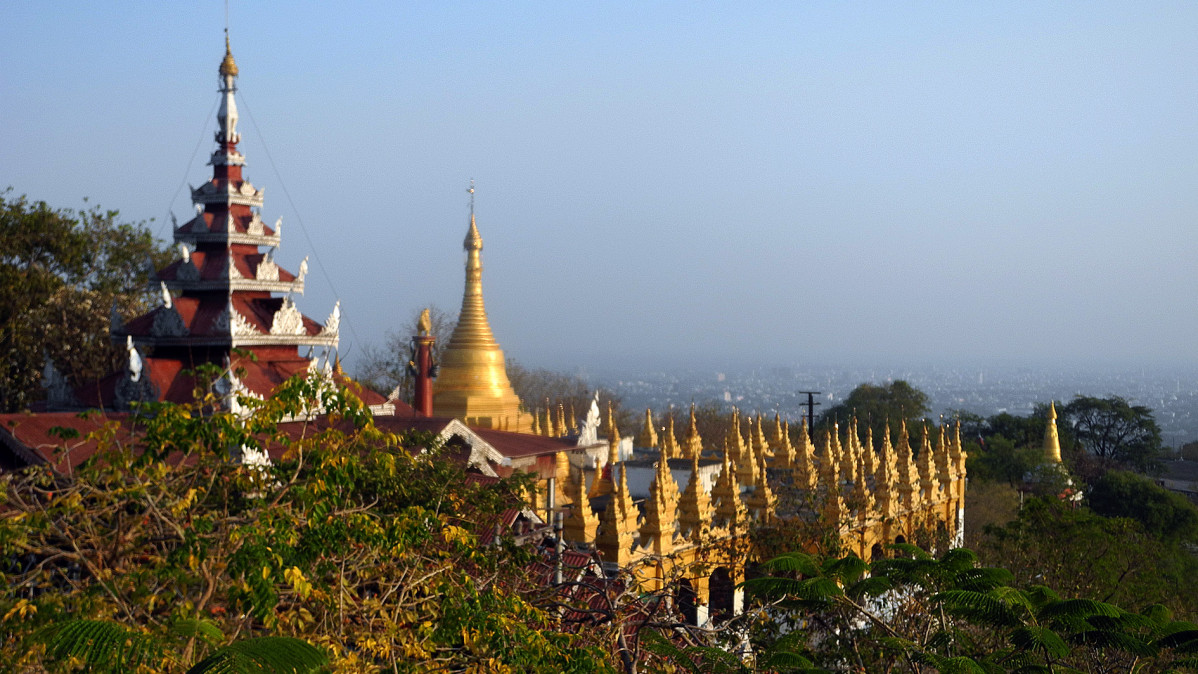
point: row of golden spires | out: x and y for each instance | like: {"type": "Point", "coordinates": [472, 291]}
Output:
{"type": "Point", "coordinates": [848, 483]}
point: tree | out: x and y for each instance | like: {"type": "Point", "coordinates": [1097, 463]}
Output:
{"type": "Point", "coordinates": [877, 406]}
{"type": "Point", "coordinates": [1083, 554]}
{"type": "Point", "coordinates": [1163, 513]}
{"type": "Point", "coordinates": [61, 273]}
{"type": "Point", "coordinates": [384, 369]}
{"type": "Point", "coordinates": [1115, 431]}
{"type": "Point", "coordinates": [356, 540]}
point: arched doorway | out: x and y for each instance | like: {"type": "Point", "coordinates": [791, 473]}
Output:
{"type": "Point", "coordinates": [687, 601]}
{"type": "Point", "coordinates": [722, 591]}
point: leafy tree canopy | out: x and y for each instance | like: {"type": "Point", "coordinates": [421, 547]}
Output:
{"type": "Point", "coordinates": [61, 271]}
{"type": "Point", "coordinates": [1163, 513]}
{"type": "Point", "coordinates": [1115, 431]}
{"type": "Point", "coordinates": [879, 405]}
{"type": "Point", "coordinates": [358, 541]}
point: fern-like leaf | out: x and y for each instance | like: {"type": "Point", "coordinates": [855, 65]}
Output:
{"type": "Point", "coordinates": [794, 562]}
{"type": "Point", "coordinates": [1034, 637]}
{"type": "Point", "coordinates": [264, 655]}
{"type": "Point", "coordinates": [200, 629]}
{"type": "Point", "coordinates": [100, 645]}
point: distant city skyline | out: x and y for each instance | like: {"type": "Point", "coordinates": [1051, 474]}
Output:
{"type": "Point", "coordinates": [667, 183]}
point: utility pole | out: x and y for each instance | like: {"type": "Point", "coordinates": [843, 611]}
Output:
{"type": "Point", "coordinates": [810, 408]}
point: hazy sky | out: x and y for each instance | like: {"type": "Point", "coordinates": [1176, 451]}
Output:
{"type": "Point", "coordinates": [666, 182]}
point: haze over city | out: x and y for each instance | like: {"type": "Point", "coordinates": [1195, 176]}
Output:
{"type": "Point", "coordinates": [667, 183]}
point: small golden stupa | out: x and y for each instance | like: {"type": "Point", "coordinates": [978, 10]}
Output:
{"type": "Point", "coordinates": [473, 384]}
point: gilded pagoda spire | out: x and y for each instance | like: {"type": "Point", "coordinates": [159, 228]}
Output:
{"type": "Point", "coordinates": [473, 384]}
{"type": "Point", "coordinates": [1052, 441]}
{"type": "Point", "coordinates": [884, 482]}
{"type": "Point", "coordinates": [657, 531]}
{"type": "Point", "coordinates": [907, 478]}
{"type": "Point", "coordinates": [669, 444]}
{"type": "Point", "coordinates": [927, 467]}
{"type": "Point", "coordinates": [804, 470]}
{"type": "Point", "coordinates": [692, 444]}
{"type": "Point", "coordinates": [730, 509]}
{"type": "Point", "coordinates": [582, 523]}
{"type": "Point", "coordinates": [648, 436]}
{"type": "Point", "coordinates": [694, 508]}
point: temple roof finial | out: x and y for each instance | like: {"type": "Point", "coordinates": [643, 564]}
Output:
{"type": "Point", "coordinates": [227, 65]}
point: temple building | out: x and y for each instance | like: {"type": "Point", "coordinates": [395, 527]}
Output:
{"type": "Point", "coordinates": [473, 384]}
{"type": "Point", "coordinates": [664, 513]}
{"type": "Point", "coordinates": [225, 300]}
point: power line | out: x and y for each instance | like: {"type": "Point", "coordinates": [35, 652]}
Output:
{"type": "Point", "coordinates": [311, 246]}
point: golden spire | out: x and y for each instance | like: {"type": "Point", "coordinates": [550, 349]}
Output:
{"type": "Point", "coordinates": [694, 508]}
{"type": "Point", "coordinates": [726, 491]}
{"type": "Point", "coordinates": [660, 510]}
{"type": "Point", "coordinates": [907, 479]}
{"type": "Point", "coordinates": [648, 436]}
{"type": "Point", "coordinates": [473, 384]}
{"type": "Point", "coordinates": [943, 460]}
{"type": "Point", "coordinates": [884, 479]}
{"type": "Point", "coordinates": [926, 466]}
{"type": "Point", "coordinates": [669, 444]}
{"type": "Point", "coordinates": [692, 447]}
{"type": "Point", "coordinates": [227, 65]}
{"type": "Point", "coordinates": [581, 524]}
{"type": "Point", "coordinates": [802, 469]}
{"type": "Point", "coordinates": [618, 526]}
{"type": "Point", "coordinates": [869, 456]}
{"type": "Point", "coordinates": [1052, 441]}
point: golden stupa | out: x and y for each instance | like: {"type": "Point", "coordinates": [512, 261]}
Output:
{"type": "Point", "coordinates": [473, 384]}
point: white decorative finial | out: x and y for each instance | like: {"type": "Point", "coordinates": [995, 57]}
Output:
{"type": "Point", "coordinates": [303, 270]}
{"type": "Point", "coordinates": [184, 252]}
{"type": "Point", "coordinates": [135, 364]}
{"type": "Point", "coordinates": [279, 226]}
{"type": "Point", "coordinates": [166, 295]}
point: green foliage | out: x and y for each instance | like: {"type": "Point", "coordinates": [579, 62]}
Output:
{"type": "Point", "coordinates": [264, 655]}
{"type": "Point", "coordinates": [1083, 554]}
{"type": "Point", "coordinates": [100, 645]}
{"type": "Point", "coordinates": [879, 406]}
{"type": "Point", "coordinates": [947, 614]}
{"type": "Point", "coordinates": [60, 273]}
{"type": "Point", "coordinates": [354, 541]}
{"type": "Point", "coordinates": [1115, 431]}
{"type": "Point", "coordinates": [1162, 513]}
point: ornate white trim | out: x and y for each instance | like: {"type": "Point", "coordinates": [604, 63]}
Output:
{"type": "Point", "coordinates": [333, 323]}
{"type": "Point", "coordinates": [230, 270]}
{"type": "Point", "coordinates": [256, 226]}
{"type": "Point", "coordinates": [231, 322]}
{"type": "Point", "coordinates": [303, 271]}
{"type": "Point", "coordinates": [267, 269]}
{"type": "Point", "coordinates": [287, 320]}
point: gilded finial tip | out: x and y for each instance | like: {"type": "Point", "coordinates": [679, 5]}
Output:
{"type": "Point", "coordinates": [227, 65]}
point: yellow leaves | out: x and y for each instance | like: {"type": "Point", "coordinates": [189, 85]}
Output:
{"type": "Point", "coordinates": [265, 572]}
{"type": "Point", "coordinates": [193, 562]}
{"type": "Point", "coordinates": [21, 609]}
{"type": "Point", "coordinates": [298, 583]}
{"type": "Point", "coordinates": [182, 505]}
{"type": "Point", "coordinates": [455, 534]}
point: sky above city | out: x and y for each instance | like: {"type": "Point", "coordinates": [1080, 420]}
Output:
{"type": "Point", "coordinates": [665, 183]}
